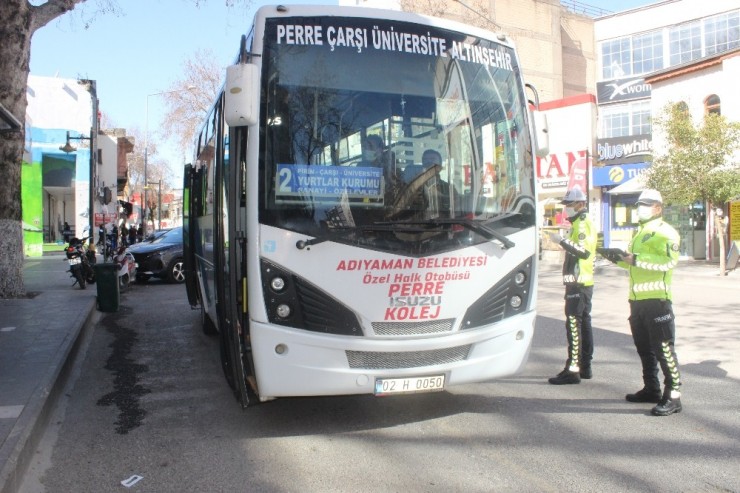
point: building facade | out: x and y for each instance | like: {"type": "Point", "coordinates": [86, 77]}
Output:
{"type": "Point", "coordinates": [632, 46]}
{"type": "Point", "coordinates": [706, 85]}
{"type": "Point", "coordinates": [555, 45]}
{"type": "Point", "coordinates": [70, 173]}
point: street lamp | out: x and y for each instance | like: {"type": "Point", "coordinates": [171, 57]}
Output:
{"type": "Point", "coordinates": [146, 142]}
{"type": "Point", "coordinates": [68, 148]}
{"type": "Point", "coordinates": [91, 87]}
{"type": "Point", "coordinates": [159, 200]}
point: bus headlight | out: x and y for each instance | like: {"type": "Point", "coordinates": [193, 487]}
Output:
{"type": "Point", "coordinates": [277, 284]}
{"type": "Point", "coordinates": [294, 302]}
{"type": "Point", "coordinates": [283, 310]}
{"type": "Point", "coordinates": [507, 298]}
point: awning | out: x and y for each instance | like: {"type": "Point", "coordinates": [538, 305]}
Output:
{"type": "Point", "coordinates": [633, 185]}
{"type": "Point", "coordinates": [551, 202]}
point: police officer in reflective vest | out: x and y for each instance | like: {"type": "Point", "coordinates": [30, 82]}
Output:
{"type": "Point", "coordinates": [651, 257]}
{"type": "Point", "coordinates": [578, 278]}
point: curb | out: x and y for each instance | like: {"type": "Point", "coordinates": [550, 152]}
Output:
{"type": "Point", "coordinates": [31, 424]}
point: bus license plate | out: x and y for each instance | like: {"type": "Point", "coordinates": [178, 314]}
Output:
{"type": "Point", "coordinates": [388, 386]}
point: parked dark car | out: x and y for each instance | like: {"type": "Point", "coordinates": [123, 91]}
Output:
{"type": "Point", "coordinates": [160, 256]}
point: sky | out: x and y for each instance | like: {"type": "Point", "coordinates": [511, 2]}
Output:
{"type": "Point", "coordinates": [142, 52]}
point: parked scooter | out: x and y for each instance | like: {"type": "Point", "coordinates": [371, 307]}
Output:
{"type": "Point", "coordinates": [81, 261]}
{"type": "Point", "coordinates": [126, 266]}
{"type": "Point", "coordinates": [105, 243]}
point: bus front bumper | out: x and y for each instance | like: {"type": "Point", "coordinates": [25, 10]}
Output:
{"type": "Point", "coordinates": [295, 363]}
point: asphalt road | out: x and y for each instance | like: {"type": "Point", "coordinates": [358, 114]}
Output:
{"type": "Point", "coordinates": [149, 401]}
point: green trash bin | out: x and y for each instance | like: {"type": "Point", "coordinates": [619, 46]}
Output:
{"type": "Point", "coordinates": [106, 278]}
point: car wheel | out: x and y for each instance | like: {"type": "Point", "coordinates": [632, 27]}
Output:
{"type": "Point", "coordinates": [176, 271]}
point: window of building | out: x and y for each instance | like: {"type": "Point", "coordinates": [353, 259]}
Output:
{"type": "Point", "coordinates": [684, 42]}
{"type": "Point", "coordinates": [647, 52]}
{"type": "Point", "coordinates": [624, 212]}
{"type": "Point", "coordinates": [722, 32]}
{"type": "Point", "coordinates": [615, 121]}
{"type": "Point", "coordinates": [623, 120]}
{"type": "Point", "coordinates": [616, 58]}
{"type": "Point", "coordinates": [640, 118]}
{"type": "Point", "coordinates": [632, 55]}
{"type": "Point", "coordinates": [711, 105]}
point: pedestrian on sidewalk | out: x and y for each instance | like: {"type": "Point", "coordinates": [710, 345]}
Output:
{"type": "Point", "coordinates": [651, 257]}
{"type": "Point", "coordinates": [132, 234]}
{"type": "Point", "coordinates": [578, 278]}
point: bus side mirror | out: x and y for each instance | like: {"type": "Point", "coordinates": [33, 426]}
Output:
{"type": "Point", "coordinates": [241, 95]}
{"type": "Point", "coordinates": [541, 133]}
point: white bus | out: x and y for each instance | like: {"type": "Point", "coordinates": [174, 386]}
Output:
{"type": "Point", "coordinates": [361, 210]}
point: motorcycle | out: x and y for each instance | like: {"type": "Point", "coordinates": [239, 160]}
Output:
{"type": "Point", "coordinates": [126, 266]}
{"type": "Point", "coordinates": [81, 261]}
{"type": "Point", "coordinates": [105, 243]}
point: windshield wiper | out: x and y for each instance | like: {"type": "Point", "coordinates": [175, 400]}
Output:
{"type": "Point", "coordinates": [474, 226]}
{"type": "Point", "coordinates": [339, 232]}
{"type": "Point", "coordinates": [393, 226]}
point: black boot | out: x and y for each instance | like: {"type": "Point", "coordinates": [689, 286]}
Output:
{"type": "Point", "coordinates": [669, 404]}
{"type": "Point", "coordinates": [586, 372]}
{"type": "Point", "coordinates": [644, 395]}
{"type": "Point", "coordinates": [565, 377]}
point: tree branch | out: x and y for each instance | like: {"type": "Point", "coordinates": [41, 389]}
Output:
{"type": "Point", "coordinates": [47, 12]}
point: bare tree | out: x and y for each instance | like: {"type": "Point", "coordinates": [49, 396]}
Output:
{"type": "Point", "coordinates": [189, 99]}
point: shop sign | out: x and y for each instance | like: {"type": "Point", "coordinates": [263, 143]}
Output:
{"type": "Point", "coordinates": [734, 221]}
{"type": "Point", "coordinates": [618, 90]}
{"type": "Point", "coordinates": [101, 219]}
{"type": "Point", "coordinates": [553, 170]}
{"type": "Point", "coordinates": [608, 176]}
{"type": "Point", "coordinates": [619, 150]}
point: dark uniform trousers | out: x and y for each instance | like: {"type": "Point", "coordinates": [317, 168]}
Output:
{"type": "Point", "coordinates": [578, 325]}
{"type": "Point", "coordinates": [654, 330]}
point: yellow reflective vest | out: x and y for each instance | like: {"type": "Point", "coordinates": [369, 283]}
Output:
{"type": "Point", "coordinates": [579, 246]}
{"type": "Point", "coordinates": [656, 250]}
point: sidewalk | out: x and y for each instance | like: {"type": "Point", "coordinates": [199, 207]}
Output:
{"type": "Point", "coordinates": [39, 336]}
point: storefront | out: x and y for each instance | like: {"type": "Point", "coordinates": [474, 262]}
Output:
{"type": "Point", "coordinates": [621, 185]}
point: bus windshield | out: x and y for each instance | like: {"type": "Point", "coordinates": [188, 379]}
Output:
{"type": "Point", "coordinates": [419, 162]}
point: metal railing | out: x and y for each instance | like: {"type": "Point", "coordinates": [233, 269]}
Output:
{"type": "Point", "coordinates": [584, 8]}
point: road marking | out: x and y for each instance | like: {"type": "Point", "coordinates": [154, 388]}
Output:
{"type": "Point", "coordinates": [7, 412]}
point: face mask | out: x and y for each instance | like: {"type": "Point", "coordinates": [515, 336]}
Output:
{"type": "Point", "coordinates": [369, 154]}
{"type": "Point", "coordinates": [570, 211]}
{"type": "Point", "coordinates": [644, 212]}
